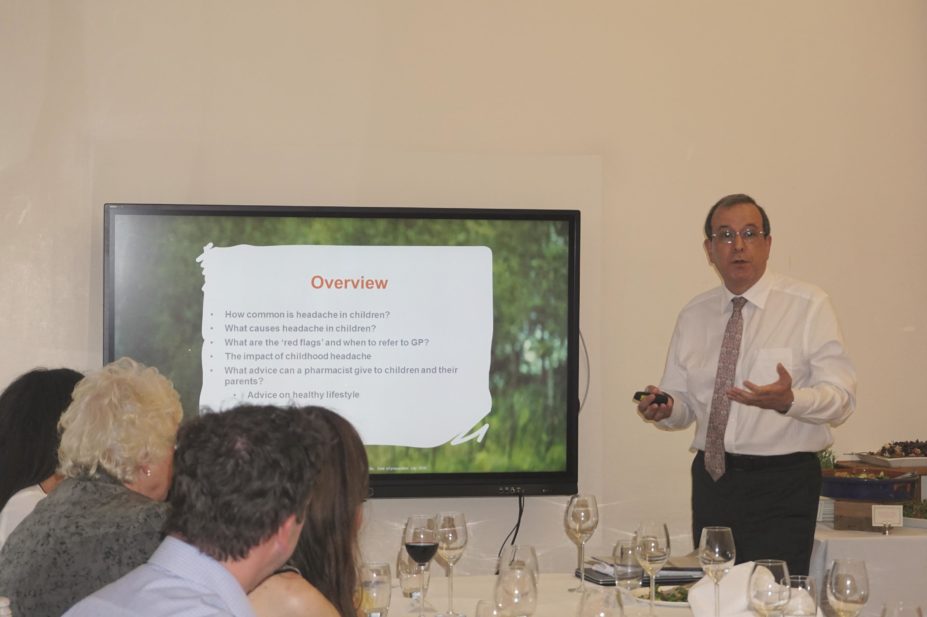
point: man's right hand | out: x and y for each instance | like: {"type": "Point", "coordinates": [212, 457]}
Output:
{"type": "Point", "coordinates": [651, 412]}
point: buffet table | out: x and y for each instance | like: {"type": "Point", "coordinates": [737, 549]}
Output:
{"type": "Point", "coordinates": [553, 598]}
{"type": "Point", "coordinates": [896, 563]}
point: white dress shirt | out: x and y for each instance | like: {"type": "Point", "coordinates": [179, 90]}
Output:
{"type": "Point", "coordinates": [178, 580]}
{"type": "Point", "coordinates": [785, 321]}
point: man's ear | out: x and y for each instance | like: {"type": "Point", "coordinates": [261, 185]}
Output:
{"type": "Point", "coordinates": [707, 245]}
{"type": "Point", "coordinates": [288, 533]}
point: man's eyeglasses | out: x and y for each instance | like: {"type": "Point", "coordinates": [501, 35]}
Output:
{"type": "Point", "coordinates": [748, 235]}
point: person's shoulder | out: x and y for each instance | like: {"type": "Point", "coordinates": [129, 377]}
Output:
{"type": "Point", "coordinates": [288, 593]}
{"type": "Point", "coordinates": [708, 298]}
{"type": "Point", "coordinates": [796, 287]}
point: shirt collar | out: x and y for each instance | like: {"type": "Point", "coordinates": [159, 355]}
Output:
{"type": "Point", "coordinates": [756, 295]}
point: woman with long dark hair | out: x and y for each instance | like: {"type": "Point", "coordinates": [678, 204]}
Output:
{"type": "Point", "coordinates": [29, 411]}
{"type": "Point", "coordinates": [321, 579]}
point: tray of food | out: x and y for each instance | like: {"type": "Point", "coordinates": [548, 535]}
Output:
{"type": "Point", "coordinates": [897, 454]}
{"type": "Point", "coordinates": [869, 484]}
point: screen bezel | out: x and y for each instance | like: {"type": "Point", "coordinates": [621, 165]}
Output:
{"type": "Point", "coordinates": [401, 485]}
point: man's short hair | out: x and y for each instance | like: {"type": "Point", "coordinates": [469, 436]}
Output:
{"type": "Point", "coordinates": [734, 200]}
{"type": "Point", "coordinates": [238, 475]}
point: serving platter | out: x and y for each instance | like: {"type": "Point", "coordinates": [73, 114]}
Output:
{"type": "Point", "coordinates": [892, 461]}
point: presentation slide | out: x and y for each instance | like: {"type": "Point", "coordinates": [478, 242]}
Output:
{"type": "Point", "coordinates": [359, 329]}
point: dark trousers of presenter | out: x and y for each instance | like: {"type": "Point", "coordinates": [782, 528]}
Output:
{"type": "Point", "coordinates": [769, 502]}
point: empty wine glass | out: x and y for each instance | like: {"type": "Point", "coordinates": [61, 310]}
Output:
{"type": "Point", "coordinates": [628, 571]}
{"type": "Point", "coordinates": [848, 587]}
{"type": "Point", "coordinates": [487, 608]}
{"type": "Point", "coordinates": [375, 589]}
{"type": "Point", "coordinates": [516, 592]}
{"type": "Point", "coordinates": [804, 596]}
{"type": "Point", "coordinates": [902, 609]}
{"type": "Point", "coordinates": [580, 520]}
{"type": "Point", "coordinates": [716, 556]}
{"type": "Point", "coordinates": [769, 588]}
{"type": "Point", "coordinates": [420, 538]}
{"type": "Point", "coordinates": [652, 549]}
{"type": "Point", "coordinates": [600, 603]}
{"type": "Point", "coordinates": [452, 539]}
{"type": "Point", "coordinates": [519, 556]}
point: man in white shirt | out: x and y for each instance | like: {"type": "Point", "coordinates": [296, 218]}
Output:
{"type": "Point", "coordinates": [792, 381]}
{"type": "Point", "coordinates": [241, 488]}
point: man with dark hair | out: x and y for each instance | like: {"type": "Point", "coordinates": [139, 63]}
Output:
{"type": "Point", "coordinates": [241, 488]}
{"type": "Point", "coordinates": [759, 365]}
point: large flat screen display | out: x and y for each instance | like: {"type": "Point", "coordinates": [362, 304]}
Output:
{"type": "Point", "coordinates": [448, 337]}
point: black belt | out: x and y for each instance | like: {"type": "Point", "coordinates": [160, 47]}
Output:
{"type": "Point", "coordinates": [752, 462]}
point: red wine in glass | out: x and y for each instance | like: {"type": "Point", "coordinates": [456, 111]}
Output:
{"type": "Point", "coordinates": [420, 537]}
{"type": "Point", "coordinates": [421, 552]}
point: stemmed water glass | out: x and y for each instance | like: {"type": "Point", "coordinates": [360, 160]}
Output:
{"type": "Point", "coordinates": [375, 589]}
{"type": "Point", "coordinates": [769, 587]}
{"type": "Point", "coordinates": [848, 587]}
{"type": "Point", "coordinates": [580, 520]}
{"type": "Point", "coordinates": [452, 539]}
{"type": "Point", "coordinates": [516, 592]}
{"type": "Point", "coordinates": [420, 538]}
{"type": "Point", "coordinates": [716, 555]}
{"type": "Point", "coordinates": [652, 549]}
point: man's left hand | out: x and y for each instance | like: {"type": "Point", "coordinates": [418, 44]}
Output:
{"type": "Point", "coordinates": [777, 395]}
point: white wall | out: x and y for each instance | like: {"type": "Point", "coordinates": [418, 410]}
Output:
{"type": "Point", "coordinates": [640, 113]}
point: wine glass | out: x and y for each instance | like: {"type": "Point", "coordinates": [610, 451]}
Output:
{"type": "Point", "coordinates": [600, 603]}
{"type": "Point", "coordinates": [652, 549]}
{"type": "Point", "coordinates": [769, 586]}
{"type": "Point", "coordinates": [520, 556]}
{"type": "Point", "coordinates": [580, 520]}
{"type": "Point", "coordinates": [628, 571]}
{"type": "Point", "coordinates": [452, 538]}
{"type": "Point", "coordinates": [716, 555]}
{"type": "Point", "coordinates": [901, 609]}
{"type": "Point", "coordinates": [848, 587]}
{"type": "Point", "coordinates": [516, 592]}
{"type": "Point", "coordinates": [420, 538]}
{"type": "Point", "coordinates": [487, 608]}
{"type": "Point", "coordinates": [804, 596]}
{"type": "Point", "coordinates": [375, 589]}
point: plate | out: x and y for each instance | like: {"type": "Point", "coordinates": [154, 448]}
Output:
{"type": "Point", "coordinates": [898, 461]}
{"type": "Point", "coordinates": [643, 594]}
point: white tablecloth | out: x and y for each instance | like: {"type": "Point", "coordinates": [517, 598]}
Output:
{"type": "Point", "coordinates": [553, 598]}
{"type": "Point", "coordinates": [896, 563]}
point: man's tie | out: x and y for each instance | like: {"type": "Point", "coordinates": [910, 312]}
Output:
{"type": "Point", "coordinates": [724, 380]}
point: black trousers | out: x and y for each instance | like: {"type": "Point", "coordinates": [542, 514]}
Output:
{"type": "Point", "coordinates": [769, 502]}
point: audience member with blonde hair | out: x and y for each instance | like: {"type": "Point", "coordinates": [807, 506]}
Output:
{"type": "Point", "coordinates": [105, 518]}
{"type": "Point", "coordinates": [321, 576]}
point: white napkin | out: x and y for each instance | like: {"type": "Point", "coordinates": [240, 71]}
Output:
{"type": "Point", "coordinates": [733, 594]}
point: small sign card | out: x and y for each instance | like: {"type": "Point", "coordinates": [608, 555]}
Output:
{"type": "Point", "coordinates": [887, 516]}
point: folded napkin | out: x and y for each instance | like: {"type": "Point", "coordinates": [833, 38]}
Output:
{"type": "Point", "coordinates": [735, 600]}
{"type": "Point", "coordinates": [733, 594]}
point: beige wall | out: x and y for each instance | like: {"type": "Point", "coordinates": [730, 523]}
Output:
{"type": "Point", "coordinates": [639, 113]}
